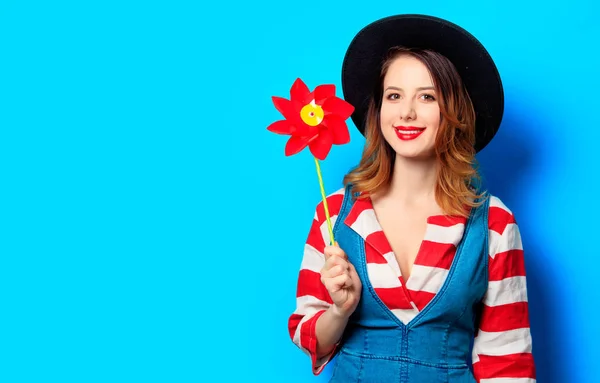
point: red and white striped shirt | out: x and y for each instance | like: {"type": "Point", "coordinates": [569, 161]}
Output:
{"type": "Point", "coordinates": [502, 350]}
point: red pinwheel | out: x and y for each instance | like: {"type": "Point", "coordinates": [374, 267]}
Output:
{"type": "Point", "coordinates": [315, 119]}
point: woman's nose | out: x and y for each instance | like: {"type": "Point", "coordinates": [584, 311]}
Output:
{"type": "Point", "coordinates": [407, 111]}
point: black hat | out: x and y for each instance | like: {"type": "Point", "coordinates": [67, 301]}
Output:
{"type": "Point", "coordinates": [365, 55]}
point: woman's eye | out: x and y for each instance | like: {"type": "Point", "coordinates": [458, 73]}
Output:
{"type": "Point", "coordinates": [393, 96]}
{"type": "Point", "coordinates": [428, 97]}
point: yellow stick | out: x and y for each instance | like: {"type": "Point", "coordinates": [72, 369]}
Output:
{"type": "Point", "coordinates": [323, 196]}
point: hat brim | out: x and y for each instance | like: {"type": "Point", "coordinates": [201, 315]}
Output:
{"type": "Point", "coordinates": [364, 57]}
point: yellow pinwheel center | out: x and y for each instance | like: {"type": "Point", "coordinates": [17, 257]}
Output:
{"type": "Point", "coordinates": [312, 114]}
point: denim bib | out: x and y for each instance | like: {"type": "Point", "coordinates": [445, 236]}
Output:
{"type": "Point", "coordinates": [435, 346]}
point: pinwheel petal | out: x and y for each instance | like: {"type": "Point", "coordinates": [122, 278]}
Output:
{"type": "Point", "coordinates": [338, 128]}
{"type": "Point", "coordinates": [281, 127]}
{"type": "Point", "coordinates": [323, 92]}
{"type": "Point", "coordinates": [336, 105]}
{"type": "Point", "coordinates": [321, 145]}
{"type": "Point", "coordinates": [285, 107]}
{"type": "Point", "coordinates": [300, 93]}
{"type": "Point", "coordinates": [295, 144]}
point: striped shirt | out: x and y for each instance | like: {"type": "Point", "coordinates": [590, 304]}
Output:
{"type": "Point", "coordinates": [502, 351]}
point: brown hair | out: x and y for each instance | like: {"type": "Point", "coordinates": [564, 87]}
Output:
{"type": "Point", "coordinates": [454, 146]}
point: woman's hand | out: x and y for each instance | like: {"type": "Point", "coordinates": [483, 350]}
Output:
{"type": "Point", "coordinates": [341, 281]}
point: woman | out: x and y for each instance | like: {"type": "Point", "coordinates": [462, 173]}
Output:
{"type": "Point", "coordinates": [426, 280]}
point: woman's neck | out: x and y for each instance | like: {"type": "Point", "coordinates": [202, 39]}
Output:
{"type": "Point", "coordinates": [413, 181]}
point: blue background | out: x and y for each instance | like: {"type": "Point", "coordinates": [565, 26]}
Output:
{"type": "Point", "coordinates": [152, 229]}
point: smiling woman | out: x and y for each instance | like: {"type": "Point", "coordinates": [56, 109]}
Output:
{"type": "Point", "coordinates": [425, 263]}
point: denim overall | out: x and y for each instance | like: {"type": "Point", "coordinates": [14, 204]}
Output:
{"type": "Point", "coordinates": [435, 346]}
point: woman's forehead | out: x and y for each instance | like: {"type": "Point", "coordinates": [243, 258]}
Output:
{"type": "Point", "coordinates": [409, 73]}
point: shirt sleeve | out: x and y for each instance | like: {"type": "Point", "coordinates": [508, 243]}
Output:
{"type": "Point", "coordinates": [312, 298]}
{"type": "Point", "coordinates": [502, 349]}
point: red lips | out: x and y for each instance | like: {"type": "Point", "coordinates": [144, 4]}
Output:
{"type": "Point", "coordinates": [407, 133]}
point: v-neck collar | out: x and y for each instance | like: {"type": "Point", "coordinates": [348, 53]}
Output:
{"type": "Point", "coordinates": [434, 261]}
{"type": "Point", "coordinates": [362, 219]}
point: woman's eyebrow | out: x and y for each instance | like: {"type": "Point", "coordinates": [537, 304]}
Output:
{"type": "Point", "coordinates": [420, 88]}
